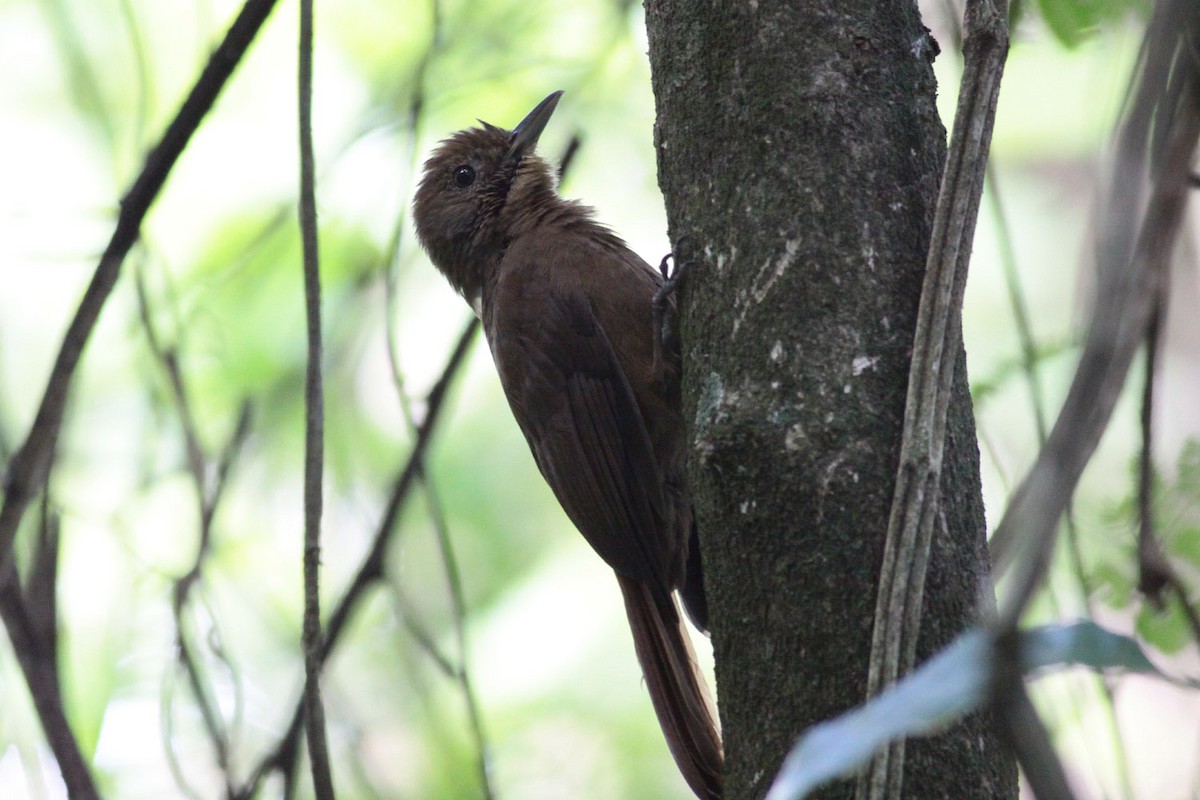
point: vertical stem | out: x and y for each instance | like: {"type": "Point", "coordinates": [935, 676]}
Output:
{"type": "Point", "coordinates": [314, 430]}
{"type": "Point", "coordinates": [900, 598]}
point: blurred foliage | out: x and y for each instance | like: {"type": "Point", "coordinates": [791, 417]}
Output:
{"type": "Point", "coordinates": [1177, 527]}
{"type": "Point", "coordinates": [220, 267]}
{"type": "Point", "coordinates": [563, 708]}
{"type": "Point", "coordinates": [1073, 21]}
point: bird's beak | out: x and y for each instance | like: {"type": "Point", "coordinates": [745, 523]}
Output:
{"type": "Point", "coordinates": [526, 134]}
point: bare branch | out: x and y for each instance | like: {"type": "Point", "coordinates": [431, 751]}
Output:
{"type": "Point", "coordinates": [33, 632]}
{"type": "Point", "coordinates": [1153, 569]}
{"type": "Point", "coordinates": [1155, 149]}
{"type": "Point", "coordinates": [421, 634]}
{"type": "Point", "coordinates": [314, 429]}
{"type": "Point", "coordinates": [458, 606]}
{"type": "Point", "coordinates": [1019, 723]}
{"type": "Point", "coordinates": [282, 757]}
{"type": "Point", "coordinates": [1133, 253]}
{"type": "Point", "coordinates": [208, 494]}
{"type": "Point", "coordinates": [28, 469]}
{"type": "Point", "coordinates": [1029, 367]}
{"type": "Point", "coordinates": [1155, 572]}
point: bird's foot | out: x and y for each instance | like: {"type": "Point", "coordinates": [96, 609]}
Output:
{"type": "Point", "coordinates": [666, 312]}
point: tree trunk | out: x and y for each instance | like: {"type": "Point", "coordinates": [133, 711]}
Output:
{"type": "Point", "coordinates": [799, 153]}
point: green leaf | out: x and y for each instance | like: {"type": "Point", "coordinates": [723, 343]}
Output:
{"type": "Point", "coordinates": [1073, 21]}
{"type": "Point", "coordinates": [1185, 544]}
{"type": "Point", "coordinates": [1113, 583]}
{"type": "Point", "coordinates": [1083, 644]}
{"type": "Point", "coordinates": [1068, 20]}
{"type": "Point", "coordinates": [946, 688]}
{"type": "Point", "coordinates": [1188, 468]}
{"type": "Point", "coordinates": [1167, 629]}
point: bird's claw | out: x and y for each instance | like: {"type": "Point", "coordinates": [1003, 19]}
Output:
{"type": "Point", "coordinates": [666, 340]}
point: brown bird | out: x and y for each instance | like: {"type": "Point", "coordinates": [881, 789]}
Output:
{"type": "Point", "coordinates": [568, 311]}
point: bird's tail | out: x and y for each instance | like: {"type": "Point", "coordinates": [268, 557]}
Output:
{"type": "Point", "coordinates": [678, 691]}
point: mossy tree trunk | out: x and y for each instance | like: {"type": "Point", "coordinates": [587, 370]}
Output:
{"type": "Point", "coordinates": [799, 153]}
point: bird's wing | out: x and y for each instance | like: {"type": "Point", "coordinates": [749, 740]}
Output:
{"type": "Point", "coordinates": [576, 408]}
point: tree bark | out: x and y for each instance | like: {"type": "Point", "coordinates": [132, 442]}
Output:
{"type": "Point", "coordinates": [800, 152]}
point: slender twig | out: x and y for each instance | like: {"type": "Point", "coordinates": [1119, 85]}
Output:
{"type": "Point", "coordinates": [1137, 233]}
{"type": "Point", "coordinates": [27, 472]}
{"type": "Point", "coordinates": [420, 633]}
{"type": "Point", "coordinates": [1029, 364]}
{"type": "Point", "coordinates": [459, 608]}
{"type": "Point", "coordinates": [314, 428]}
{"type": "Point", "coordinates": [1019, 725]}
{"type": "Point", "coordinates": [282, 757]}
{"type": "Point", "coordinates": [1153, 570]}
{"type": "Point", "coordinates": [1155, 573]}
{"type": "Point", "coordinates": [1016, 301]}
{"type": "Point", "coordinates": [28, 469]}
{"type": "Point", "coordinates": [391, 275]}
{"type": "Point", "coordinates": [166, 718]}
{"type": "Point", "coordinates": [935, 347]}
{"type": "Point", "coordinates": [1131, 259]}
{"type": "Point", "coordinates": [1029, 369]}
{"type": "Point", "coordinates": [988, 448]}
{"type": "Point", "coordinates": [206, 501]}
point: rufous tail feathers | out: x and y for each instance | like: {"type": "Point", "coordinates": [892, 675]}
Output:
{"type": "Point", "coordinates": [677, 689]}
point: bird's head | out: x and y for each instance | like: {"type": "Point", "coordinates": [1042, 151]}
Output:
{"type": "Point", "coordinates": [480, 187]}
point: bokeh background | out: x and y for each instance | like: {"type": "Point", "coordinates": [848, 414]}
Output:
{"type": "Point", "coordinates": [496, 625]}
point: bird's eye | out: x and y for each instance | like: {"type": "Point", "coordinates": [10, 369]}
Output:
{"type": "Point", "coordinates": [464, 176]}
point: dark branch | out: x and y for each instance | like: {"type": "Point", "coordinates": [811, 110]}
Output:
{"type": "Point", "coordinates": [1138, 238]}
{"type": "Point", "coordinates": [314, 428]}
{"type": "Point", "coordinates": [1153, 569]}
{"type": "Point", "coordinates": [283, 757]}
{"type": "Point", "coordinates": [1019, 724]}
{"type": "Point", "coordinates": [33, 631]}
{"type": "Point", "coordinates": [1136, 235]}
{"type": "Point", "coordinates": [27, 471]}
{"type": "Point", "coordinates": [208, 494]}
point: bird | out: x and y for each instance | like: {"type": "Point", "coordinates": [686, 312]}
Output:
{"type": "Point", "coordinates": [568, 311]}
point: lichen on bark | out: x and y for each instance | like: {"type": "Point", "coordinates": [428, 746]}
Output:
{"type": "Point", "coordinates": [800, 153]}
